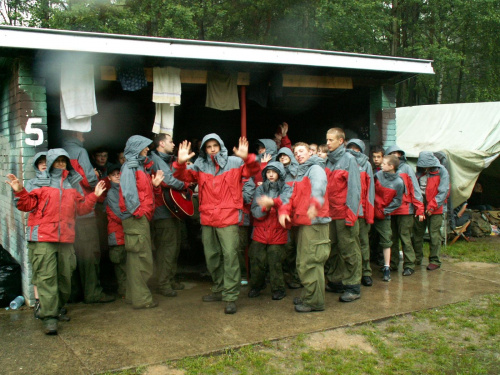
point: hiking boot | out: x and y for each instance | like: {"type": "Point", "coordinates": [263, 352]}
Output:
{"type": "Point", "coordinates": [432, 267]}
{"type": "Point", "coordinates": [230, 308]}
{"type": "Point", "coordinates": [297, 301]}
{"type": "Point", "coordinates": [253, 293]}
{"type": "Point", "coordinates": [294, 285]}
{"type": "Point", "coordinates": [302, 308]}
{"type": "Point", "coordinates": [408, 272]}
{"type": "Point", "coordinates": [367, 281]}
{"type": "Point", "coordinates": [278, 294]}
{"type": "Point", "coordinates": [335, 287]}
{"type": "Point", "coordinates": [62, 317]}
{"type": "Point", "coordinates": [169, 293]}
{"type": "Point", "coordinates": [351, 293]}
{"type": "Point", "coordinates": [177, 286]}
{"type": "Point", "coordinates": [36, 309]}
{"type": "Point", "coordinates": [150, 305]}
{"type": "Point", "coordinates": [50, 326]}
{"type": "Point", "coordinates": [214, 297]}
{"type": "Point", "coordinates": [386, 274]}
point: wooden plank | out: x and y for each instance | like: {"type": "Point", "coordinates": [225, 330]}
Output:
{"type": "Point", "coordinates": [108, 73]}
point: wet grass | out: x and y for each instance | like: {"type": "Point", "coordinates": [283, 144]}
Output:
{"type": "Point", "coordinates": [462, 338]}
{"type": "Point", "coordinates": [482, 250]}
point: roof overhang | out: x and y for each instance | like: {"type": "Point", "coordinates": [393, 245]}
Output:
{"type": "Point", "coordinates": [19, 38]}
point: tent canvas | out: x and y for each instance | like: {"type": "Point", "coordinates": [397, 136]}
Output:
{"type": "Point", "coordinates": [468, 133]}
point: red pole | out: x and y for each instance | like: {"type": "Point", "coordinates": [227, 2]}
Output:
{"type": "Point", "coordinates": [243, 106]}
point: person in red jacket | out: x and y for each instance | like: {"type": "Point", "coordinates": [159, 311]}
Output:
{"type": "Point", "coordinates": [116, 236]}
{"type": "Point", "coordinates": [356, 147]}
{"type": "Point", "coordinates": [389, 189]}
{"type": "Point", "coordinates": [219, 178]}
{"type": "Point", "coordinates": [268, 237]}
{"type": "Point", "coordinates": [307, 209]}
{"type": "Point", "coordinates": [55, 204]}
{"type": "Point", "coordinates": [434, 182]}
{"type": "Point", "coordinates": [137, 204]}
{"type": "Point", "coordinates": [402, 219]}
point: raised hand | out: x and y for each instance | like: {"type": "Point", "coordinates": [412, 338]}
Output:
{"type": "Point", "coordinates": [14, 183]}
{"type": "Point", "coordinates": [242, 150]}
{"type": "Point", "coordinates": [184, 155]}
{"type": "Point", "coordinates": [284, 129]}
{"type": "Point", "coordinates": [158, 178]}
{"type": "Point", "coordinates": [100, 188]}
{"type": "Point", "coordinates": [265, 158]}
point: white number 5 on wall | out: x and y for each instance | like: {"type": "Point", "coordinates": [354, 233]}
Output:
{"type": "Point", "coordinates": [30, 130]}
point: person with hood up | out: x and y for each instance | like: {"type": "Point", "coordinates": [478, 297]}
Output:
{"type": "Point", "coordinates": [55, 203]}
{"type": "Point", "coordinates": [87, 246]}
{"type": "Point", "coordinates": [269, 237]}
{"type": "Point", "coordinates": [434, 182]}
{"type": "Point", "coordinates": [356, 147]}
{"type": "Point", "coordinates": [389, 189]}
{"type": "Point", "coordinates": [291, 165]}
{"type": "Point", "coordinates": [266, 151]}
{"type": "Point", "coordinates": [344, 195]}
{"type": "Point", "coordinates": [219, 177]}
{"type": "Point", "coordinates": [167, 227]}
{"type": "Point", "coordinates": [307, 209]}
{"type": "Point", "coordinates": [116, 237]}
{"type": "Point", "coordinates": [402, 218]}
{"type": "Point", "coordinates": [40, 166]}
{"type": "Point", "coordinates": [137, 205]}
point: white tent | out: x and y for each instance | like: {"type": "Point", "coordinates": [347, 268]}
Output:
{"type": "Point", "coordinates": [468, 133]}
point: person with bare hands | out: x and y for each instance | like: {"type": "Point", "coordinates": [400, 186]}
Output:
{"type": "Point", "coordinates": [219, 177]}
{"type": "Point", "coordinates": [307, 210]}
{"type": "Point", "coordinates": [281, 137]}
{"type": "Point", "coordinates": [137, 204]}
{"type": "Point", "coordinates": [56, 201]}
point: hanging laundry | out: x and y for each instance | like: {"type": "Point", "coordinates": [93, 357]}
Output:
{"type": "Point", "coordinates": [222, 91]}
{"type": "Point", "coordinates": [78, 101]}
{"type": "Point", "coordinates": [132, 78]}
{"type": "Point", "coordinates": [258, 90]}
{"type": "Point", "coordinates": [167, 85]}
{"type": "Point", "coordinates": [164, 119]}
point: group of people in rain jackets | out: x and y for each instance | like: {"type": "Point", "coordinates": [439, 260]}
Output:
{"type": "Point", "coordinates": [310, 218]}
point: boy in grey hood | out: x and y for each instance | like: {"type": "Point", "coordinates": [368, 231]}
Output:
{"type": "Point", "coordinates": [434, 181]}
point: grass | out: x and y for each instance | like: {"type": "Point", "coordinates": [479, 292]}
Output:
{"type": "Point", "coordinates": [483, 250]}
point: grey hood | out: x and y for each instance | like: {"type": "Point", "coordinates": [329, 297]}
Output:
{"type": "Point", "coordinates": [395, 148]}
{"type": "Point", "coordinates": [426, 159]}
{"type": "Point", "coordinates": [220, 158]}
{"type": "Point", "coordinates": [270, 146]}
{"type": "Point", "coordinates": [134, 146]}
{"type": "Point", "coordinates": [313, 160]}
{"type": "Point", "coordinates": [41, 178]}
{"type": "Point", "coordinates": [357, 142]}
{"type": "Point", "coordinates": [293, 167]}
{"type": "Point", "coordinates": [361, 158]}
{"type": "Point", "coordinates": [74, 177]}
{"type": "Point", "coordinates": [278, 185]}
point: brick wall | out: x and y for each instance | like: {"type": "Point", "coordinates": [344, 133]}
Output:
{"type": "Point", "coordinates": [23, 107]}
{"type": "Point", "coordinates": [383, 115]}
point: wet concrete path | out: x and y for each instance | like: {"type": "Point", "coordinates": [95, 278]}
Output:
{"type": "Point", "coordinates": [113, 336]}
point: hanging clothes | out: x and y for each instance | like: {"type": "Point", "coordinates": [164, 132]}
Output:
{"type": "Point", "coordinates": [78, 103]}
{"type": "Point", "coordinates": [222, 91]}
{"type": "Point", "coordinates": [258, 91]}
{"type": "Point", "coordinates": [166, 95]}
{"type": "Point", "coordinates": [132, 78]}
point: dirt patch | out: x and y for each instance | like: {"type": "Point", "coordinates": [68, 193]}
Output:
{"type": "Point", "coordinates": [163, 370]}
{"type": "Point", "coordinates": [338, 339]}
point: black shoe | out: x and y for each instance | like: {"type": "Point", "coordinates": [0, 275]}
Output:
{"type": "Point", "coordinates": [297, 301]}
{"type": "Point", "coordinates": [169, 293]}
{"type": "Point", "coordinates": [349, 296]}
{"type": "Point", "coordinates": [230, 308]}
{"type": "Point", "coordinates": [50, 327]}
{"type": "Point", "coordinates": [36, 309]}
{"type": "Point", "coordinates": [366, 281]}
{"type": "Point", "coordinates": [214, 297]}
{"type": "Point", "coordinates": [387, 274]}
{"type": "Point", "coordinates": [408, 272]}
{"type": "Point", "coordinates": [177, 286]}
{"type": "Point", "coordinates": [253, 293]}
{"type": "Point", "coordinates": [62, 317]}
{"type": "Point", "coordinates": [278, 294]}
{"type": "Point", "coordinates": [335, 287]}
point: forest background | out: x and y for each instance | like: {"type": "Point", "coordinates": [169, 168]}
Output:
{"type": "Point", "coordinates": [461, 36]}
